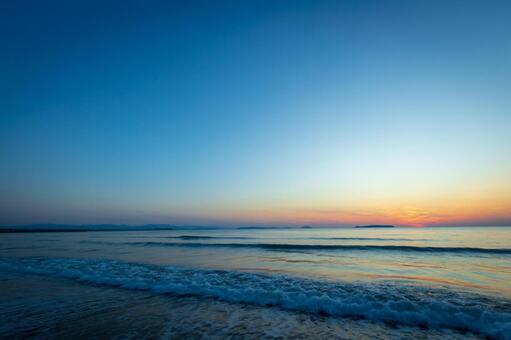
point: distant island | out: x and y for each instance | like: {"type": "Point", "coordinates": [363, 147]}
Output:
{"type": "Point", "coordinates": [268, 227]}
{"type": "Point", "coordinates": [374, 226]}
{"type": "Point", "coordinates": [274, 227]}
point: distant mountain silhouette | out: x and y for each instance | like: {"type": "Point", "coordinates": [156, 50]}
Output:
{"type": "Point", "coordinates": [94, 227]}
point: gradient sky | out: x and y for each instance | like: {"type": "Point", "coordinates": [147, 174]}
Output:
{"type": "Point", "coordinates": [255, 112]}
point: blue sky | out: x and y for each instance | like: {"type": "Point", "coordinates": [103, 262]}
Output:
{"type": "Point", "coordinates": [255, 112]}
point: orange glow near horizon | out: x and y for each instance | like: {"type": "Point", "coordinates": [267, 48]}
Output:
{"type": "Point", "coordinates": [490, 209]}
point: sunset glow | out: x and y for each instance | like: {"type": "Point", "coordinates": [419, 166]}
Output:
{"type": "Point", "coordinates": [323, 121]}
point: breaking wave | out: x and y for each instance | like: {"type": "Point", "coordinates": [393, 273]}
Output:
{"type": "Point", "coordinates": [390, 302]}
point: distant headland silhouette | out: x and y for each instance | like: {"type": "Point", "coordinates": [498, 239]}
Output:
{"type": "Point", "coordinates": [374, 226]}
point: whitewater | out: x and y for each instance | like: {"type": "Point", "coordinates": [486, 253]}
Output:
{"type": "Point", "coordinates": [345, 283]}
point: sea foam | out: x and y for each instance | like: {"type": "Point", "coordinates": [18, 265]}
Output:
{"type": "Point", "coordinates": [391, 302]}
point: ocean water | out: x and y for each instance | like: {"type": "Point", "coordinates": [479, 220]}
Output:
{"type": "Point", "coordinates": [258, 283]}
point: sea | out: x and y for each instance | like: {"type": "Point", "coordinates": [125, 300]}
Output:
{"type": "Point", "coordinates": [258, 283]}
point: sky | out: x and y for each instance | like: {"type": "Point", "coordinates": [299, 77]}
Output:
{"type": "Point", "coordinates": [325, 113]}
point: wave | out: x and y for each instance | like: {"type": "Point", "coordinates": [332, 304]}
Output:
{"type": "Point", "coordinates": [368, 239]}
{"type": "Point", "coordinates": [197, 237]}
{"type": "Point", "coordinates": [389, 302]}
{"type": "Point", "coordinates": [339, 247]}
{"type": "Point", "coordinates": [200, 237]}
